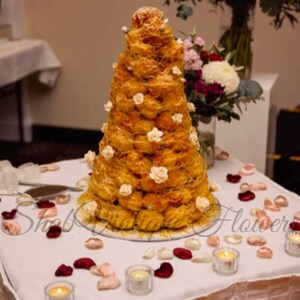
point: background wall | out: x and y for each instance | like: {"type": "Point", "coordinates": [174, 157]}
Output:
{"type": "Point", "coordinates": [87, 38]}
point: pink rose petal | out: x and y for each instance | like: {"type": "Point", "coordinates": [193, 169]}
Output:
{"type": "Point", "coordinates": [165, 270]}
{"type": "Point", "coordinates": [247, 169]}
{"type": "Point", "coordinates": [53, 232]}
{"type": "Point", "coordinates": [84, 263]}
{"type": "Point", "coordinates": [246, 196]}
{"type": "Point", "coordinates": [9, 215]}
{"type": "Point", "coordinates": [182, 253]}
{"type": "Point", "coordinates": [233, 178]}
{"type": "Point", "coordinates": [63, 270]}
{"type": "Point", "coordinates": [45, 213]}
{"type": "Point", "coordinates": [45, 204]}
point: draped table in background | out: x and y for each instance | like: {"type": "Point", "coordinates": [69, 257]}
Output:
{"type": "Point", "coordinates": [30, 260]}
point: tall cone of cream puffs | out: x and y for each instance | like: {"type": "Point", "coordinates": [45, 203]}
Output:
{"type": "Point", "coordinates": [149, 174]}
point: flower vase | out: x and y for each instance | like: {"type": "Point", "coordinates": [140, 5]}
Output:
{"type": "Point", "coordinates": [206, 134]}
{"type": "Point", "coordinates": [236, 35]}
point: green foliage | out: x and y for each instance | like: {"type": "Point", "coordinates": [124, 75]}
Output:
{"type": "Point", "coordinates": [278, 10]}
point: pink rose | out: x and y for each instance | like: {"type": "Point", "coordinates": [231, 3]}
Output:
{"type": "Point", "coordinates": [199, 41]}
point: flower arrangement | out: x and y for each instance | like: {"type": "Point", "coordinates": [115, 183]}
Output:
{"type": "Point", "coordinates": [212, 85]}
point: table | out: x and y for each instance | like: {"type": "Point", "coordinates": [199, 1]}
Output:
{"type": "Point", "coordinates": [31, 259]}
{"type": "Point", "coordinates": [20, 58]}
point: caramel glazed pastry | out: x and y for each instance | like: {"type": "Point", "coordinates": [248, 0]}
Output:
{"type": "Point", "coordinates": [149, 174]}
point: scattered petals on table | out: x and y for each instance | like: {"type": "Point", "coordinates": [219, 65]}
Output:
{"type": "Point", "coordinates": [165, 253]}
{"type": "Point", "coordinates": [11, 227]}
{"type": "Point", "coordinates": [64, 270]}
{"type": "Point", "coordinates": [192, 244]}
{"type": "Point", "coordinates": [45, 204]}
{"type": "Point", "coordinates": [269, 205]}
{"type": "Point", "coordinates": [246, 196]}
{"type": "Point", "coordinates": [149, 253]}
{"type": "Point", "coordinates": [281, 201]}
{"type": "Point", "coordinates": [264, 221]}
{"type": "Point", "coordinates": [62, 199]}
{"type": "Point", "coordinates": [84, 263]}
{"type": "Point", "coordinates": [233, 239]}
{"type": "Point", "coordinates": [247, 169]}
{"type": "Point", "coordinates": [233, 178]}
{"type": "Point", "coordinates": [48, 167]}
{"type": "Point", "coordinates": [164, 271]}
{"type": "Point", "coordinates": [201, 257]}
{"type": "Point", "coordinates": [104, 270]}
{"type": "Point", "coordinates": [108, 283]}
{"type": "Point", "coordinates": [182, 253]}
{"type": "Point", "coordinates": [295, 226]}
{"type": "Point", "coordinates": [6, 215]}
{"type": "Point", "coordinates": [264, 252]}
{"type": "Point", "coordinates": [297, 216]}
{"type": "Point", "coordinates": [45, 213]}
{"type": "Point", "coordinates": [54, 232]}
{"type": "Point", "coordinates": [213, 241]}
{"type": "Point", "coordinates": [93, 243]}
{"type": "Point", "coordinates": [256, 240]}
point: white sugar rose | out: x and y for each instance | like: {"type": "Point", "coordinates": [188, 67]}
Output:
{"type": "Point", "coordinates": [154, 135]}
{"type": "Point", "coordinates": [177, 118]}
{"type": "Point", "coordinates": [159, 174]}
{"type": "Point", "coordinates": [179, 41]}
{"type": "Point", "coordinates": [202, 203]}
{"type": "Point", "coordinates": [191, 107]}
{"type": "Point", "coordinates": [223, 73]}
{"type": "Point", "coordinates": [108, 106]}
{"type": "Point", "coordinates": [108, 152]}
{"type": "Point", "coordinates": [124, 29]}
{"type": "Point", "coordinates": [89, 158]}
{"type": "Point", "coordinates": [90, 206]}
{"type": "Point", "coordinates": [194, 138]}
{"type": "Point", "coordinates": [176, 71]}
{"type": "Point", "coordinates": [138, 98]}
{"type": "Point", "coordinates": [125, 190]}
{"type": "Point", "coordinates": [104, 127]}
{"type": "Point", "coordinates": [214, 187]}
{"type": "Point", "coordinates": [114, 65]}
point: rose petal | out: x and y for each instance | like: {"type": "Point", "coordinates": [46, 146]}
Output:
{"type": "Point", "coordinates": [246, 196]}
{"type": "Point", "coordinates": [165, 270]}
{"type": "Point", "coordinates": [295, 226]}
{"type": "Point", "coordinates": [63, 270]}
{"type": "Point", "coordinates": [9, 215]}
{"type": "Point", "coordinates": [182, 253]}
{"type": "Point", "coordinates": [233, 178]}
{"type": "Point", "coordinates": [84, 263]}
{"type": "Point", "coordinates": [54, 232]}
{"type": "Point", "coordinates": [45, 204]}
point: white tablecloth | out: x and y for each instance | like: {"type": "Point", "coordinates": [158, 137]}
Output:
{"type": "Point", "coordinates": [31, 259]}
{"type": "Point", "coordinates": [20, 58]}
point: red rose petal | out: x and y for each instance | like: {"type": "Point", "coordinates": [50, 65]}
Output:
{"type": "Point", "coordinates": [63, 270]}
{"type": "Point", "coordinates": [233, 178]}
{"type": "Point", "coordinates": [45, 204]}
{"type": "Point", "coordinates": [9, 215]}
{"type": "Point", "coordinates": [182, 253]}
{"type": "Point", "coordinates": [165, 270]}
{"type": "Point", "coordinates": [84, 263]}
{"type": "Point", "coordinates": [54, 232]}
{"type": "Point", "coordinates": [246, 196]}
{"type": "Point", "coordinates": [295, 226]}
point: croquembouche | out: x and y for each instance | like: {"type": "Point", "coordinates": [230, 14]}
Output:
{"type": "Point", "coordinates": [148, 175]}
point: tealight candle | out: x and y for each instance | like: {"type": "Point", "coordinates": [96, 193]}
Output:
{"type": "Point", "coordinates": [59, 290]}
{"type": "Point", "coordinates": [139, 279]}
{"type": "Point", "coordinates": [225, 260]}
{"type": "Point", "coordinates": [292, 243]}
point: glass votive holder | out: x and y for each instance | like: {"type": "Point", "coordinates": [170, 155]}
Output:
{"type": "Point", "coordinates": [29, 172]}
{"type": "Point", "coordinates": [139, 279]}
{"type": "Point", "coordinates": [292, 243]}
{"type": "Point", "coordinates": [59, 290]}
{"type": "Point", "coordinates": [225, 260]}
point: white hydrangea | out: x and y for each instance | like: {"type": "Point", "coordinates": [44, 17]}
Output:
{"type": "Point", "coordinates": [177, 118]}
{"type": "Point", "coordinates": [108, 106]}
{"type": "Point", "coordinates": [223, 73]}
{"type": "Point", "coordinates": [191, 107]}
{"type": "Point", "coordinates": [108, 152]}
{"type": "Point", "coordinates": [138, 98]}
{"type": "Point", "coordinates": [154, 135]}
{"type": "Point", "coordinates": [202, 203]}
{"type": "Point", "coordinates": [159, 174]}
{"type": "Point", "coordinates": [125, 190]}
